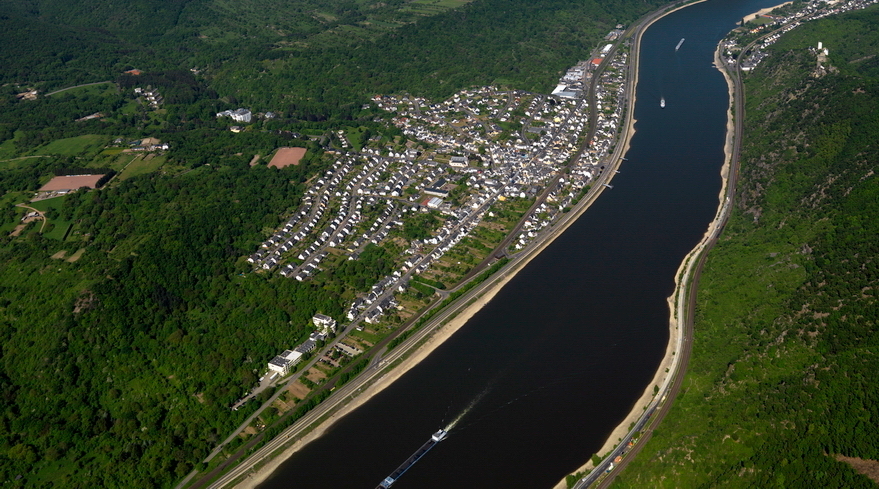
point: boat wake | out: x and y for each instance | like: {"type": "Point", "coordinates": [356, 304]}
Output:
{"type": "Point", "coordinates": [467, 409]}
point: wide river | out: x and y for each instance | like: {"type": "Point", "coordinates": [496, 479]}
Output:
{"type": "Point", "coordinates": [544, 372]}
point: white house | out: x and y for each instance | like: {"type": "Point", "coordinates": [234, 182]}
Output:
{"type": "Point", "coordinates": [324, 323]}
{"type": "Point", "coordinates": [458, 162]}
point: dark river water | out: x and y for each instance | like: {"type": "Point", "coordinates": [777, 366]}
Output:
{"type": "Point", "coordinates": [548, 368]}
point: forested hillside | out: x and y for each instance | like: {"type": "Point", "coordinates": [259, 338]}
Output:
{"type": "Point", "coordinates": [782, 383]}
{"type": "Point", "coordinates": [130, 325]}
{"type": "Point", "coordinates": [309, 57]}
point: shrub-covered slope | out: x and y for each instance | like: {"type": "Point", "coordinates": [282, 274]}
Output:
{"type": "Point", "coordinates": [783, 375]}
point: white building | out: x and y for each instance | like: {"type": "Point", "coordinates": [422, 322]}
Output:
{"type": "Point", "coordinates": [324, 323]}
{"type": "Point", "coordinates": [458, 161]}
{"type": "Point", "coordinates": [237, 115]}
{"type": "Point", "coordinates": [285, 361]}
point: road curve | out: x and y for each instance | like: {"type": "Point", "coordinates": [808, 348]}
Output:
{"type": "Point", "coordinates": [686, 302]}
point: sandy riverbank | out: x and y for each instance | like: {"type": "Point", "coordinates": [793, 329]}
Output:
{"type": "Point", "coordinates": [434, 340]}
{"type": "Point", "coordinates": [665, 368]}
{"type": "Point", "coordinates": [730, 124]}
{"type": "Point", "coordinates": [444, 333]}
{"type": "Point", "coordinates": [750, 17]}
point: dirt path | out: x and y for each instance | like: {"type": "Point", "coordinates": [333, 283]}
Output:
{"type": "Point", "coordinates": [76, 86]}
{"type": "Point", "coordinates": [42, 215]}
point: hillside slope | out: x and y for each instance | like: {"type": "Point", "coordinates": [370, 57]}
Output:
{"type": "Point", "coordinates": [308, 56]}
{"type": "Point", "coordinates": [782, 379]}
{"type": "Point", "coordinates": [118, 367]}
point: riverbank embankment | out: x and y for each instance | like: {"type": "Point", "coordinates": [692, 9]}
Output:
{"type": "Point", "coordinates": [445, 331]}
{"type": "Point", "coordinates": [667, 367]}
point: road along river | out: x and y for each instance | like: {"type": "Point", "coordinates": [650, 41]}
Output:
{"type": "Point", "coordinates": [541, 375]}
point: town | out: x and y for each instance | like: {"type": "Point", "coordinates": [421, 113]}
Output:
{"type": "Point", "coordinates": [473, 166]}
{"type": "Point", "coordinates": [746, 45]}
{"type": "Point", "coordinates": [483, 153]}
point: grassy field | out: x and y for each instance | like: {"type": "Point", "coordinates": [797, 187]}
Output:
{"type": "Point", "coordinates": [129, 108]}
{"type": "Point", "coordinates": [7, 148]}
{"type": "Point", "coordinates": [760, 21]}
{"type": "Point", "coordinates": [57, 229]}
{"type": "Point", "coordinates": [107, 88]}
{"type": "Point", "coordinates": [85, 145]}
{"type": "Point", "coordinates": [45, 205]}
{"type": "Point", "coordinates": [141, 165]}
{"type": "Point", "coordinates": [17, 162]}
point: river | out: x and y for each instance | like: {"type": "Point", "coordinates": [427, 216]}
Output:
{"type": "Point", "coordinates": [543, 373]}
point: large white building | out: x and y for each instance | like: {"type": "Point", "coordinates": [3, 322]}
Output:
{"type": "Point", "coordinates": [285, 361]}
{"type": "Point", "coordinates": [458, 161]}
{"type": "Point", "coordinates": [237, 115]}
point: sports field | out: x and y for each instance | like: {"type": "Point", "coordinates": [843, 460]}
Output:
{"type": "Point", "coordinates": [71, 182]}
{"type": "Point", "coordinates": [287, 156]}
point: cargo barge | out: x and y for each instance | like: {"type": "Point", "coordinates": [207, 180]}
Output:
{"type": "Point", "coordinates": [434, 439]}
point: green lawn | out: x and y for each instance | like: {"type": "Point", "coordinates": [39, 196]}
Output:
{"type": "Point", "coordinates": [57, 229]}
{"type": "Point", "coordinates": [17, 162]}
{"type": "Point", "coordinates": [7, 148]}
{"type": "Point", "coordinates": [45, 205]}
{"type": "Point", "coordinates": [142, 165]}
{"type": "Point", "coordinates": [86, 145]}
{"type": "Point", "coordinates": [129, 108]}
{"type": "Point", "coordinates": [107, 88]}
{"type": "Point", "coordinates": [761, 21]}
{"type": "Point", "coordinates": [120, 161]}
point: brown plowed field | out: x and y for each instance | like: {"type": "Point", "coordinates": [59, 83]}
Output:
{"type": "Point", "coordinates": [287, 156]}
{"type": "Point", "coordinates": [72, 182]}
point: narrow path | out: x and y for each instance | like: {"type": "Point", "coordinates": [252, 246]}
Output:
{"type": "Point", "coordinates": [76, 86]}
{"type": "Point", "coordinates": [41, 213]}
{"type": "Point", "coordinates": [26, 157]}
{"type": "Point", "coordinates": [686, 293]}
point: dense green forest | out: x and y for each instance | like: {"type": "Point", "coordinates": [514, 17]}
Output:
{"type": "Point", "coordinates": [782, 378]}
{"type": "Point", "coordinates": [312, 58]}
{"type": "Point", "coordinates": [127, 332]}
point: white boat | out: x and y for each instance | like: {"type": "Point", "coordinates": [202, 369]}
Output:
{"type": "Point", "coordinates": [662, 102]}
{"type": "Point", "coordinates": [679, 44]}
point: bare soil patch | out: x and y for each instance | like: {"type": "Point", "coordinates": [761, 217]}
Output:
{"type": "Point", "coordinates": [76, 256]}
{"type": "Point", "coordinates": [71, 182]}
{"type": "Point", "coordinates": [315, 375]}
{"type": "Point", "coordinates": [85, 301]}
{"type": "Point", "coordinates": [283, 406]}
{"type": "Point", "coordinates": [870, 468]}
{"type": "Point", "coordinates": [59, 255]}
{"type": "Point", "coordinates": [18, 229]}
{"type": "Point", "coordinates": [297, 389]}
{"type": "Point", "coordinates": [287, 156]}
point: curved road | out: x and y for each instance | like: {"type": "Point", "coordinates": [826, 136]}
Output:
{"type": "Point", "coordinates": [344, 394]}
{"type": "Point", "coordinates": [76, 86]}
{"type": "Point", "coordinates": [41, 213]}
{"type": "Point", "coordinates": [686, 305]}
